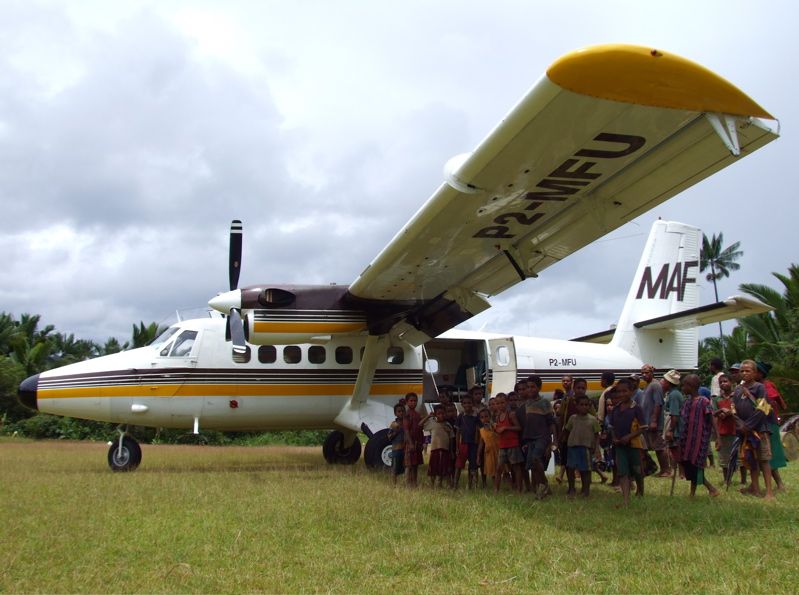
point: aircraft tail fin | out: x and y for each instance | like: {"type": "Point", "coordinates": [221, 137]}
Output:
{"type": "Point", "coordinates": [664, 285]}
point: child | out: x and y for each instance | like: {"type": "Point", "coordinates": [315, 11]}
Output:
{"type": "Point", "coordinates": [451, 415]}
{"type": "Point", "coordinates": [583, 430]}
{"type": "Point", "coordinates": [414, 439]}
{"type": "Point", "coordinates": [697, 424]}
{"type": "Point", "coordinates": [441, 433]}
{"type": "Point", "coordinates": [510, 455]}
{"type": "Point", "coordinates": [627, 423]}
{"type": "Point", "coordinates": [725, 421]}
{"type": "Point", "coordinates": [487, 447]}
{"type": "Point", "coordinates": [466, 425]}
{"type": "Point", "coordinates": [397, 437]}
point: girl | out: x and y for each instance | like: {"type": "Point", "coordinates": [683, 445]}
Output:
{"type": "Point", "coordinates": [487, 447]}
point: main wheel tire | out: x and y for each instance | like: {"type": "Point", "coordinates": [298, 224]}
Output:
{"type": "Point", "coordinates": [125, 459]}
{"type": "Point", "coordinates": [377, 454]}
{"type": "Point", "coordinates": [336, 453]}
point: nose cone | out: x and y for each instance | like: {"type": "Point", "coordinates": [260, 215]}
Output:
{"type": "Point", "coordinates": [225, 301]}
{"type": "Point", "coordinates": [27, 391]}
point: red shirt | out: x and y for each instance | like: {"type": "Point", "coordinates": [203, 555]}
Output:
{"type": "Point", "coordinates": [508, 438]}
{"type": "Point", "coordinates": [727, 425]}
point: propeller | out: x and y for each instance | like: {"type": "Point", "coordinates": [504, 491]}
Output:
{"type": "Point", "coordinates": [235, 326]}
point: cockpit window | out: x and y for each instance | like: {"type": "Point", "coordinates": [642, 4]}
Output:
{"type": "Point", "coordinates": [162, 338]}
{"type": "Point", "coordinates": [183, 344]}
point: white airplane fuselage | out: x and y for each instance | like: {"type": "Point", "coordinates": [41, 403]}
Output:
{"type": "Point", "coordinates": [205, 389]}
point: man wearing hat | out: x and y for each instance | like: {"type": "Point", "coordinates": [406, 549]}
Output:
{"type": "Point", "coordinates": [673, 407]}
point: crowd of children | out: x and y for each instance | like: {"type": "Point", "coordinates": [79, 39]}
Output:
{"type": "Point", "coordinates": [510, 438]}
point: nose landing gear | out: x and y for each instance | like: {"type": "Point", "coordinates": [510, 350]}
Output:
{"type": "Point", "coordinates": [124, 454]}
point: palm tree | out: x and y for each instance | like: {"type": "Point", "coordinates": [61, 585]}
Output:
{"type": "Point", "coordinates": [721, 261]}
{"type": "Point", "coordinates": [144, 335]}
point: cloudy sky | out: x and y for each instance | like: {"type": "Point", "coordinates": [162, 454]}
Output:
{"type": "Point", "coordinates": [132, 133]}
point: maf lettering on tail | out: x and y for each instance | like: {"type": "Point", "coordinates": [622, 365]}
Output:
{"type": "Point", "coordinates": [667, 282]}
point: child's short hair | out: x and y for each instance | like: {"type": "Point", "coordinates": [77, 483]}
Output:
{"type": "Point", "coordinates": [438, 408]}
{"type": "Point", "coordinates": [581, 398]}
{"type": "Point", "coordinates": [580, 381]}
{"type": "Point", "coordinates": [535, 379]}
{"type": "Point", "coordinates": [629, 382]}
{"type": "Point", "coordinates": [400, 406]}
{"type": "Point", "coordinates": [725, 375]}
{"type": "Point", "coordinates": [467, 397]}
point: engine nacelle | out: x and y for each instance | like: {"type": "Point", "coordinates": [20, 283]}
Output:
{"type": "Point", "coordinates": [294, 314]}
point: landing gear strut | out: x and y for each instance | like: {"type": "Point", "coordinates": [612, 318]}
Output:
{"type": "Point", "coordinates": [124, 454]}
{"type": "Point", "coordinates": [336, 453]}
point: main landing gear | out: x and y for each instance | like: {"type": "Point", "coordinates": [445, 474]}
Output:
{"type": "Point", "coordinates": [377, 454]}
{"type": "Point", "coordinates": [337, 452]}
{"type": "Point", "coordinates": [124, 454]}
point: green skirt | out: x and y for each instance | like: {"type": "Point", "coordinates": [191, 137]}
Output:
{"type": "Point", "coordinates": [777, 451]}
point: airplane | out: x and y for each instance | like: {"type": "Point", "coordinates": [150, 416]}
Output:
{"type": "Point", "coordinates": [608, 133]}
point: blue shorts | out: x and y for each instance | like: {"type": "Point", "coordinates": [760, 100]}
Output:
{"type": "Point", "coordinates": [578, 457]}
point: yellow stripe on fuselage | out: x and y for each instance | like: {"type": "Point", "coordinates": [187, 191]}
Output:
{"type": "Point", "coordinates": [645, 76]}
{"type": "Point", "coordinates": [220, 390]}
{"type": "Point", "coordinates": [308, 327]}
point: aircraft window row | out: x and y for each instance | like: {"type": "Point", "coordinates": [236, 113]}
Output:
{"type": "Point", "coordinates": [317, 354]}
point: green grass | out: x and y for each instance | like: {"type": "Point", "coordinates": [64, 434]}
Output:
{"type": "Point", "coordinates": [278, 519]}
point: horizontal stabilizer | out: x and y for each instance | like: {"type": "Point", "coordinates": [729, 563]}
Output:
{"type": "Point", "coordinates": [736, 306]}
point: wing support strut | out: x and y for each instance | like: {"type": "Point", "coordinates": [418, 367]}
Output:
{"type": "Point", "coordinates": [350, 415]}
{"type": "Point", "coordinates": [724, 126]}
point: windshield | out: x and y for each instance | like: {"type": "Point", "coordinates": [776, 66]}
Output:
{"type": "Point", "coordinates": [164, 336]}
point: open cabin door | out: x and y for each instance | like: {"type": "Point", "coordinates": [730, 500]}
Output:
{"type": "Point", "coordinates": [502, 360]}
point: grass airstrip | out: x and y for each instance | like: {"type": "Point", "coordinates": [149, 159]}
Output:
{"type": "Point", "coordinates": [196, 519]}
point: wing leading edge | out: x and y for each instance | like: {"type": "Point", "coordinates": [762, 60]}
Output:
{"type": "Point", "coordinates": [609, 133]}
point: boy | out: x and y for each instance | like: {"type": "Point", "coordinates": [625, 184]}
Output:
{"type": "Point", "coordinates": [397, 437]}
{"type": "Point", "coordinates": [627, 423]}
{"type": "Point", "coordinates": [467, 431]}
{"type": "Point", "coordinates": [441, 433]}
{"type": "Point", "coordinates": [725, 421]}
{"type": "Point", "coordinates": [582, 442]}
{"type": "Point", "coordinates": [414, 439]}
{"type": "Point", "coordinates": [538, 435]}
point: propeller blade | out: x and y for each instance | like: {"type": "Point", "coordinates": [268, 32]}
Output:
{"type": "Point", "coordinates": [237, 333]}
{"type": "Point", "coordinates": [236, 231]}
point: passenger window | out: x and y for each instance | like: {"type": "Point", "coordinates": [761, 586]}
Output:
{"type": "Point", "coordinates": [503, 355]}
{"type": "Point", "coordinates": [292, 354]}
{"type": "Point", "coordinates": [267, 354]}
{"type": "Point", "coordinates": [395, 355]}
{"type": "Point", "coordinates": [183, 344]}
{"type": "Point", "coordinates": [243, 358]}
{"type": "Point", "coordinates": [343, 355]}
{"type": "Point", "coordinates": [317, 354]}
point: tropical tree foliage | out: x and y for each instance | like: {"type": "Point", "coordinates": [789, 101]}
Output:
{"type": "Point", "coordinates": [771, 337]}
{"type": "Point", "coordinates": [720, 261]}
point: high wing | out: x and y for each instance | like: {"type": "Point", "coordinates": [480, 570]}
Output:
{"type": "Point", "coordinates": [737, 306]}
{"type": "Point", "coordinates": [607, 134]}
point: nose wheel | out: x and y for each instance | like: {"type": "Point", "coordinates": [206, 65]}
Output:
{"type": "Point", "coordinates": [124, 454]}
